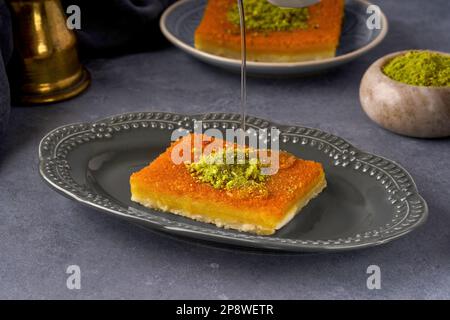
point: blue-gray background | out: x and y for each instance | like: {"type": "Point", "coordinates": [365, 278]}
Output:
{"type": "Point", "coordinates": [41, 232]}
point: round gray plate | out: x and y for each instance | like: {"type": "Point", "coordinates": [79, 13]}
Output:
{"type": "Point", "coordinates": [369, 199]}
{"type": "Point", "coordinates": [179, 22]}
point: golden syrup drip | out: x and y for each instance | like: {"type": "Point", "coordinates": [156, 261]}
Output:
{"type": "Point", "coordinates": [243, 64]}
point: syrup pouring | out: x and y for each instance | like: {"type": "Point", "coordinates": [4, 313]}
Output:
{"type": "Point", "coordinates": [279, 3]}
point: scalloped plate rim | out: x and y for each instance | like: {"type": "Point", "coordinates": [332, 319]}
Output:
{"type": "Point", "coordinates": [249, 240]}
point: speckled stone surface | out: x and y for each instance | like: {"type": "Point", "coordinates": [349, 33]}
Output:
{"type": "Point", "coordinates": [41, 232]}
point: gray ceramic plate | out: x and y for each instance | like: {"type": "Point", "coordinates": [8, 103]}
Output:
{"type": "Point", "coordinates": [369, 200]}
{"type": "Point", "coordinates": [179, 21]}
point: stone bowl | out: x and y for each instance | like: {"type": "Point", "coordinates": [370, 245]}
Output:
{"type": "Point", "coordinates": [422, 112]}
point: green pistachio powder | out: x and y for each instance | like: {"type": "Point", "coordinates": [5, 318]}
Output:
{"type": "Point", "coordinates": [260, 15]}
{"type": "Point", "coordinates": [213, 169]}
{"type": "Point", "coordinates": [420, 68]}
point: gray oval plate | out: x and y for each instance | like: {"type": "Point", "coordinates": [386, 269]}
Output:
{"type": "Point", "coordinates": [369, 200]}
{"type": "Point", "coordinates": [179, 22]}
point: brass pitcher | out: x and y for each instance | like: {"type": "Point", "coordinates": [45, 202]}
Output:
{"type": "Point", "coordinates": [45, 66]}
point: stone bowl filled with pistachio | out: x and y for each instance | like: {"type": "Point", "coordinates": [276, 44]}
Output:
{"type": "Point", "coordinates": [408, 93]}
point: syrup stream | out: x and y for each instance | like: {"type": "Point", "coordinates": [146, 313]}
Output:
{"type": "Point", "coordinates": [243, 63]}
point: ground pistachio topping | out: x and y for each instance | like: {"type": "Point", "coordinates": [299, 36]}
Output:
{"type": "Point", "coordinates": [261, 15]}
{"type": "Point", "coordinates": [420, 68]}
{"type": "Point", "coordinates": [226, 169]}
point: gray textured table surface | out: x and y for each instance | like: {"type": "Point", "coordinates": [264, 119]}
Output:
{"type": "Point", "coordinates": [41, 232]}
